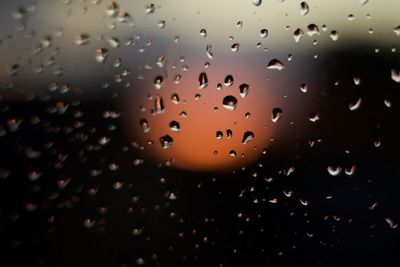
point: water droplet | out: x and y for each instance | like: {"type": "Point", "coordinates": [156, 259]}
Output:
{"type": "Point", "coordinates": [12, 70]}
{"type": "Point", "coordinates": [239, 24]}
{"type": "Point", "coordinates": [312, 30]}
{"type": "Point", "coordinates": [203, 33]}
{"type": "Point", "coordinates": [247, 137]}
{"type": "Point", "coordinates": [298, 34]}
{"type": "Point", "coordinates": [229, 133]}
{"type": "Point", "coordinates": [362, 2]}
{"type": "Point", "coordinates": [257, 2]}
{"type": "Point", "coordinates": [313, 117]}
{"type": "Point", "coordinates": [275, 64]}
{"type": "Point", "coordinates": [350, 171]}
{"type": "Point", "coordinates": [210, 55]}
{"type": "Point", "coordinates": [387, 103]}
{"type": "Point", "coordinates": [158, 82]}
{"type": "Point", "coordinates": [144, 125]}
{"type": "Point", "coordinates": [112, 9]}
{"type": "Point", "coordinates": [229, 102]}
{"type": "Point", "coordinates": [232, 153]}
{"type": "Point", "coordinates": [174, 126]}
{"type": "Point", "coordinates": [397, 30]}
{"type": "Point", "coordinates": [263, 33]}
{"type": "Point", "coordinates": [114, 42]}
{"type": "Point", "coordinates": [149, 9]}
{"type": "Point", "coordinates": [244, 89]}
{"type": "Point", "coordinates": [395, 74]}
{"type": "Point", "coordinates": [235, 47]}
{"type": "Point", "coordinates": [101, 55]}
{"type": "Point", "coordinates": [203, 80]}
{"type": "Point", "coordinates": [228, 81]}
{"type": "Point", "coordinates": [334, 35]}
{"type": "Point", "coordinates": [276, 114]}
{"type": "Point", "coordinates": [334, 171]}
{"type": "Point", "coordinates": [158, 105]}
{"type": "Point", "coordinates": [304, 9]}
{"type": "Point", "coordinates": [219, 134]}
{"type": "Point", "coordinates": [175, 99]}
{"type": "Point", "coordinates": [355, 105]}
{"type": "Point", "coordinates": [304, 87]}
{"type": "Point", "coordinates": [82, 39]}
{"type": "Point", "coordinates": [166, 141]}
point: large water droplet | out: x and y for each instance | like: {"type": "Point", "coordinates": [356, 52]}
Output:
{"type": "Point", "coordinates": [203, 80]}
{"type": "Point", "coordinates": [229, 102]}
{"type": "Point", "coordinates": [275, 64]}
{"type": "Point", "coordinates": [304, 9]}
{"type": "Point", "coordinates": [244, 89]}
{"type": "Point", "coordinates": [247, 137]}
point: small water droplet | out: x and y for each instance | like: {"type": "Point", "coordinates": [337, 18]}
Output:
{"type": "Point", "coordinates": [203, 33]}
{"type": "Point", "coordinates": [210, 54]}
{"type": "Point", "coordinates": [144, 125]}
{"type": "Point", "coordinates": [219, 134]}
{"type": "Point", "coordinates": [263, 33]}
{"type": "Point", "coordinates": [158, 82]}
{"type": "Point", "coordinates": [229, 133]}
{"type": "Point", "coordinates": [229, 102]}
{"type": "Point", "coordinates": [355, 105]}
{"type": "Point", "coordinates": [313, 117]}
{"type": "Point", "coordinates": [396, 30]}
{"type": "Point", "coordinates": [257, 2]}
{"type": "Point", "coordinates": [276, 114]}
{"type": "Point", "coordinates": [158, 105]}
{"type": "Point", "coordinates": [82, 39]}
{"type": "Point", "coordinates": [312, 30]}
{"type": "Point", "coordinates": [149, 9]}
{"type": "Point", "coordinates": [101, 55]}
{"type": "Point", "coordinates": [175, 99]}
{"type": "Point", "coordinates": [334, 171]}
{"type": "Point", "coordinates": [334, 35]}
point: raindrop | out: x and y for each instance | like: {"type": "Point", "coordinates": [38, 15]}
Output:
{"type": "Point", "coordinates": [355, 105]}
{"type": "Point", "coordinates": [210, 54]}
{"type": "Point", "coordinates": [313, 117]}
{"type": "Point", "coordinates": [263, 33]}
{"type": "Point", "coordinates": [229, 133]}
{"type": "Point", "coordinates": [312, 30]}
{"type": "Point", "coordinates": [112, 9]}
{"type": "Point", "coordinates": [275, 64]}
{"type": "Point", "coordinates": [203, 80]}
{"type": "Point", "coordinates": [175, 98]}
{"type": "Point", "coordinates": [158, 82]}
{"type": "Point", "coordinates": [239, 24]}
{"type": "Point", "coordinates": [298, 34]}
{"type": "Point", "coordinates": [304, 9]}
{"type": "Point", "coordinates": [304, 87]}
{"type": "Point", "coordinates": [158, 105]}
{"type": "Point", "coordinates": [228, 81]}
{"type": "Point", "coordinates": [391, 223]}
{"type": "Point", "coordinates": [82, 39]}
{"type": "Point", "coordinates": [397, 30]}
{"type": "Point", "coordinates": [229, 102]}
{"type": "Point", "coordinates": [101, 55]}
{"type": "Point", "coordinates": [334, 35]}
{"type": "Point", "coordinates": [257, 2]}
{"type": "Point", "coordinates": [387, 103]}
{"type": "Point", "coordinates": [149, 9]}
{"type": "Point", "coordinates": [276, 114]}
{"type": "Point", "coordinates": [244, 89]}
{"type": "Point", "coordinates": [334, 171]}
{"type": "Point", "coordinates": [203, 33]}
{"type": "Point", "coordinates": [232, 153]}
{"type": "Point", "coordinates": [219, 134]}
{"type": "Point", "coordinates": [395, 74]}
{"type": "Point", "coordinates": [174, 126]}
{"type": "Point", "coordinates": [235, 47]}
{"type": "Point", "coordinates": [362, 2]}
{"type": "Point", "coordinates": [166, 141]}
{"type": "Point", "coordinates": [247, 137]}
{"type": "Point", "coordinates": [145, 125]}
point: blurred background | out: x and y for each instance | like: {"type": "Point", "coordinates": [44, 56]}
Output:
{"type": "Point", "coordinates": [199, 133]}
